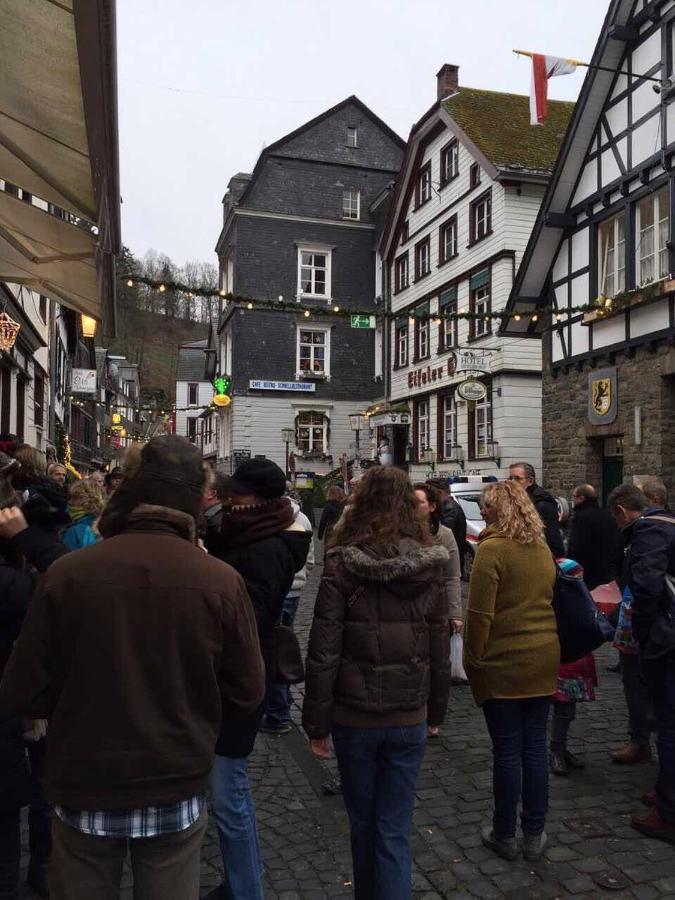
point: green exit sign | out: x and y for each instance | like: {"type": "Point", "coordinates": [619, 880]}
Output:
{"type": "Point", "coordinates": [362, 321]}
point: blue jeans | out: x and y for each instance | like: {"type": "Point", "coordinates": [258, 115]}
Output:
{"type": "Point", "coordinates": [234, 813]}
{"type": "Point", "coordinates": [278, 710]}
{"type": "Point", "coordinates": [660, 677]}
{"type": "Point", "coordinates": [519, 763]}
{"type": "Point", "coordinates": [379, 769]}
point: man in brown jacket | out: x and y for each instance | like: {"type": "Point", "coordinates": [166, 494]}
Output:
{"type": "Point", "coordinates": [134, 649]}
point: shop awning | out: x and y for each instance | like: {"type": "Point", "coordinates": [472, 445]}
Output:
{"type": "Point", "coordinates": [58, 143]}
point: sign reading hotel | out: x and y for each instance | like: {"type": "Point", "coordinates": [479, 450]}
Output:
{"type": "Point", "coordinates": [302, 387]}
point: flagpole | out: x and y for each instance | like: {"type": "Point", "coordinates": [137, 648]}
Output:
{"type": "Point", "coordinates": [578, 62]}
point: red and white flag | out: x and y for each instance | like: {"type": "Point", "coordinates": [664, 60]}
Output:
{"type": "Point", "coordinates": [543, 68]}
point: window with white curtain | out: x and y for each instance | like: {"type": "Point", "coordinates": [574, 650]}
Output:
{"type": "Point", "coordinates": [612, 256]}
{"type": "Point", "coordinates": [651, 234]}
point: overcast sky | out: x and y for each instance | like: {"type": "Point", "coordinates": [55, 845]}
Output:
{"type": "Point", "coordinates": [205, 84]}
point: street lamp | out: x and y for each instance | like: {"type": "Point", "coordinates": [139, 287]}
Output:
{"type": "Point", "coordinates": [356, 422]}
{"type": "Point", "coordinates": [287, 436]}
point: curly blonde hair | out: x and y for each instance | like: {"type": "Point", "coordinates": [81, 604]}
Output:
{"type": "Point", "coordinates": [515, 515]}
{"type": "Point", "coordinates": [87, 495]}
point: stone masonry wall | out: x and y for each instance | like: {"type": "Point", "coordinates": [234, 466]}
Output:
{"type": "Point", "coordinates": [573, 448]}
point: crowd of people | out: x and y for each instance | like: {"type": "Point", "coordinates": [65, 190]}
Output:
{"type": "Point", "coordinates": [146, 637]}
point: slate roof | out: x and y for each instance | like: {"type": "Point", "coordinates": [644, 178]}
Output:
{"type": "Point", "coordinates": [499, 125]}
{"type": "Point", "coordinates": [191, 361]}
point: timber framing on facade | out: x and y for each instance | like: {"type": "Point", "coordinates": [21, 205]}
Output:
{"type": "Point", "coordinates": [604, 236]}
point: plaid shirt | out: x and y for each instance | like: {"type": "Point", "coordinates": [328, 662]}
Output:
{"type": "Point", "coordinates": [135, 823]}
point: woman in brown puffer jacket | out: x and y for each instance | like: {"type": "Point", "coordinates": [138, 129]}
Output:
{"type": "Point", "coordinates": [378, 672]}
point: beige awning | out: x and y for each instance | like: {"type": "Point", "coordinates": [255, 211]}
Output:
{"type": "Point", "coordinates": [58, 141]}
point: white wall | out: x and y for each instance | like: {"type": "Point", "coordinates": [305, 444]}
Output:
{"type": "Point", "coordinates": [255, 423]}
{"type": "Point", "coordinates": [204, 396]}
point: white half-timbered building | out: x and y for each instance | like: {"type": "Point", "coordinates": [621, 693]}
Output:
{"type": "Point", "coordinates": [604, 236]}
{"type": "Point", "coordinates": [465, 202]}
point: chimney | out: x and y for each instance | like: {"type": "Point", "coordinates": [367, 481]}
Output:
{"type": "Point", "coordinates": [447, 81]}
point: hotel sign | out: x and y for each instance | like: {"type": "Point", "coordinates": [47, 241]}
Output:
{"type": "Point", "coordinates": [461, 361]}
{"type": "Point", "coordinates": [302, 387]}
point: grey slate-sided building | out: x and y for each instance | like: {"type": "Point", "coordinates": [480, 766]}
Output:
{"type": "Point", "coordinates": [301, 227]}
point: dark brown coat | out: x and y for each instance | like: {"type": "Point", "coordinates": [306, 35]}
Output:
{"type": "Point", "coordinates": [134, 649]}
{"type": "Point", "coordinates": [380, 640]}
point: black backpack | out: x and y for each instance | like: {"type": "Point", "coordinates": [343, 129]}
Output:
{"type": "Point", "coordinates": [582, 628]}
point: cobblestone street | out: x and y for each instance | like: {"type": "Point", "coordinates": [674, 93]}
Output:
{"type": "Point", "coordinates": [593, 852]}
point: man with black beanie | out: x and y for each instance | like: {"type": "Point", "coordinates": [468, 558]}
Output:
{"type": "Point", "coordinates": [135, 649]}
{"type": "Point", "coordinates": [260, 538]}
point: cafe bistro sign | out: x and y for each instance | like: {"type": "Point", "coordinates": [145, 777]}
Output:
{"type": "Point", "coordinates": [457, 362]}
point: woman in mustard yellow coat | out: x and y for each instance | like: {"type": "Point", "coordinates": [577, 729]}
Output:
{"type": "Point", "coordinates": [511, 657]}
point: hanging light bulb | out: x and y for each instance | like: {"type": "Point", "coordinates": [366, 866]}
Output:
{"type": "Point", "coordinates": [517, 317]}
{"type": "Point", "coordinates": [558, 317]}
{"type": "Point", "coordinates": [336, 309]}
{"type": "Point", "coordinates": [437, 321]}
{"type": "Point", "coordinates": [249, 305]}
{"type": "Point", "coordinates": [411, 320]}
{"type": "Point", "coordinates": [306, 314]}
{"type": "Point", "coordinates": [222, 292]}
{"type": "Point", "coordinates": [130, 282]}
{"type": "Point", "coordinates": [161, 288]}
{"type": "Point", "coordinates": [535, 317]}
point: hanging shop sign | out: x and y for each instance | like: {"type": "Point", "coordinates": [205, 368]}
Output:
{"type": "Point", "coordinates": [472, 390]}
{"type": "Point", "coordinates": [84, 381]}
{"type": "Point", "coordinates": [468, 361]}
{"type": "Point", "coordinates": [602, 396]}
{"type": "Point", "coordinates": [389, 418]}
{"type": "Point", "coordinates": [302, 387]}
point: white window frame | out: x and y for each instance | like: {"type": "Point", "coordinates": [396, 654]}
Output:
{"type": "Point", "coordinates": [351, 205]}
{"type": "Point", "coordinates": [424, 184]}
{"type": "Point", "coordinates": [448, 415]}
{"type": "Point", "coordinates": [481, 306]}
{"type": "Point", "coordinates": [326, 359]}
{"type": "Point", "coordinates": [195, 385]}
{"type": "Point", "coordinates": [612, 256]}
{"type": "Point", "coordinates": [423, 338]}
{"type": "Point", "coordinates": [188, 422]}
{"type": "Point", "coordinates": [379, 339]}
{"type": "Point", "coordinates": [311, 448]}
{"type": "Point", "coordinates": [401, 337]}
{"type": "Point", "coordinates": [322, 251]}
{"type": "Point", "coordinates": [651, 261]}
{"type": "Point", "coordinates": [450, 154]}
{"type": "Point", "coordinates": [449, 327]}
{"type": "Point", "coordinates": [449, 228]}
{"type": "Point", "coordinates": [352, 136]}
{"type": "Point", "coordinates": [482, 422]}
{"type": "Point", "coordinates": [481, 210]}
{"type": "Point", "coordinates": [422, 253]}
{"type": "Point", "coordinates": [423, 428]}
{"type": "Point", "coordinates": [403, 263]}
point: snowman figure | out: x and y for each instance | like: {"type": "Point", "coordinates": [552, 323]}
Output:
{"type": "Point", "coordinates": [384, 453]}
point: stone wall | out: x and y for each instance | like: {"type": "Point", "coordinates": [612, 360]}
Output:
{"type": "Point", "coordinates": [573, 448]}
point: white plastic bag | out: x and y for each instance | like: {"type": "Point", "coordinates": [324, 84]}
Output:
{"type": "Point", "coordinates": [457, 672]}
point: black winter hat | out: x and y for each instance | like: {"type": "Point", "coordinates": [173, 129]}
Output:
{"type": "Point", "coordinates": [169, 472]}
{"type": "Point", "coordinates": [261, 477]}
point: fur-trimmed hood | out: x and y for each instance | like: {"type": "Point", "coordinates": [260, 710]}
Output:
{"type": "Point", "coordinates": [409, 563]}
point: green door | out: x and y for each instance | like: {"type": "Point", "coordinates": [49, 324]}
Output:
{"type": "Point", "coordinates": [612, 475]}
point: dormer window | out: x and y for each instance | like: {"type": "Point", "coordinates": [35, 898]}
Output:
{"type": "Point", "coordinates": [352, 136]}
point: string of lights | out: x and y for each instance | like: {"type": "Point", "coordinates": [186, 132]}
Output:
{"type": "Point", "coordinates": [601, 306]}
